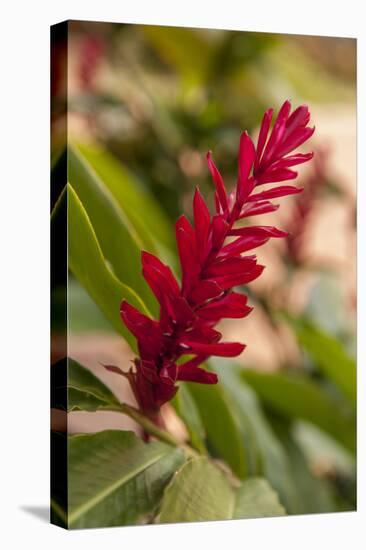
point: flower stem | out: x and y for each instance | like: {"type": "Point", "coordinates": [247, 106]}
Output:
{"type": "Point", "coordinates": [154, 430]}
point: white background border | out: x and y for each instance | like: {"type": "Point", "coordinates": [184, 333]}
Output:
{"type": "Point", "coordinates": [24, 202]}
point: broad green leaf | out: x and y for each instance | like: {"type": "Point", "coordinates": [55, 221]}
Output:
{"type": "Point", "coordinates": [200, 491]}
{"type": "Point", "coordinates": [299, 397]}
{"type": "Point", "coordinates": [265, 450]}
{"type": "Point", "coordinates": [78, 401]}
{"type": "Point", "coordinates": [316, 493]}
{"type": "Point", "coordinates": [117, 237]}
{"type": "Point", "coordinates": [87, 263]}
{"type": "Point", "coordinates": [84, 313]}
{"type": "Point", "coordinates": [86, 392]}
{"type": "Point", "coordinates": [222, 426]}
{"type": "Point", "coordinates": [186, 408]}
{"type": "Point", "coordinates": [256, 499]}
{"type": "Point", "coordinates": [116, 479]}
{"type": "Point", "coordinates": [319, 447]}
{"type": "Point", "coordinates": [329, 356]}
{"type": "Point", "coordinates": [76, 388]}
{"type": "Point", "coordinates": [144, 213]}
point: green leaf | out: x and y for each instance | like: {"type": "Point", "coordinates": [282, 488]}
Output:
{"type": "Point", "coordinates": [186, 408]}
{"type": "Point", "coordinates": [140, 207]}
{"type": "Point", "coordinates": [84, 314]}
{"type": "Point", "coordinates": [86, 392]}
{"type": "Point", "coordinates": [256, 499]}
{"type": "Point", "coordinates": [319, 447]}
{"type": "Point", "coordinates": [87, 263]}
{"type": "Point", "coordinates": [266, 454]}
{"type": "Point", "coordinates": [329, 356]}
{"type": "Point", "coordinates": [222, 427]}
{"type": "Point", "coordinates": [199, 491]}
{"type": "Point", "coordinates": [316, 494]}
{"type": "Point", "coordinates": [299, 397]}
{"type": "Point", "coordinates": [117, 237]}
{"type": "Point", "coordinates": [116, 479]}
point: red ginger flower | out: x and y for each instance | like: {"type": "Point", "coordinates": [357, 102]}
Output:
{"type": "Point", "coordinates": [211, 266]}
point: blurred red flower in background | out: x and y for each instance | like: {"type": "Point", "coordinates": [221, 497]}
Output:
{"type": "Point", "coordinates": [211, 266]}
{"type": "Point", "coordinates": [92, 49]}
{"type": "Point", "coordinates": [304, 207]}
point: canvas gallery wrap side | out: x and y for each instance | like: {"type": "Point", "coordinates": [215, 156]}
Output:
{"type": "Point", "coordinates": [203, 188]}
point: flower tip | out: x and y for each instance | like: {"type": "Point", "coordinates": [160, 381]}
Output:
{"type": "Point", "coordinates": [147, 259]}
{"type": "Point", "coordinates": [245, 135]}
{"type": "Point", "coordinates": [180, 220]}
{"type": "Point", "coordinates": [197, 197]}
{"type": "Point", "coordinates": [213, 378]}
{"type": "Point", "coordinates": [123, 306]}
{"type": "Point", "coordinates": [278, 233]}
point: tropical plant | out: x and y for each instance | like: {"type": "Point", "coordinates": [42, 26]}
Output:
{"type": "Point", "coordinates": [250, 435]}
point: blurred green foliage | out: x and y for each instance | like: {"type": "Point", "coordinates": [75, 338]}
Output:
{"type": "Point", "coordinates": [160, 97]}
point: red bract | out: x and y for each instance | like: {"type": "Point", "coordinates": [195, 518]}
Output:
{"type": "Point", "coordinates": [289, 132]}
{"type": "Point", "coordinates": [211, 266]}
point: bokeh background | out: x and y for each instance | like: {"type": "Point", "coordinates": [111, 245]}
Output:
{"type": "Point", "coordinates": [158, 98]}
